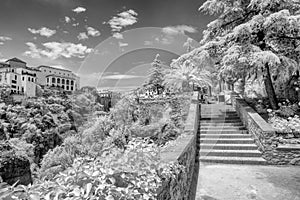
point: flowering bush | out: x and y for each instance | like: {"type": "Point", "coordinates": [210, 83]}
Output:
{"type": "Point", "coordinates": [282, 125]}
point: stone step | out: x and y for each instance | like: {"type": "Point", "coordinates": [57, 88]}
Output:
{"type": "Point", "coordinates": [223, 132]}
{"type": "Point", "coordinates": [219, 114]}
{"type": "Point", "coordinates": [227, 140]}
{"type": "Point", "coordinates": [233, 160]}
{"type": "Point", "coordinates": [222, 128]}
{"type": "Point", "coordinates": [221, 124]}
{"type": "Point", "coordinates": [230, 153]}
{"type": "Point", "coordinates": [225, 136]}
{"type": "Point", "coordinates": [229, 146]}
{"type": "Point", "coordinates": [219, 118]}
{"type": "Point", "coordinates": [221, 121]}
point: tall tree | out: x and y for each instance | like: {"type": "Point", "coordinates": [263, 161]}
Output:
{"type": "Point", "coordinates": [180, 77]}
{"type": "Point", "coordinates": [254, 37]}
{"type": "Point", "coordinates": [155, 75]}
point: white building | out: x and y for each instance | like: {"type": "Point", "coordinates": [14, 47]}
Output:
{"type": "Point", "coordinates": [55, 77]}
{"type": "Point", "coordinates": [23, 80]}
{"type": "Point", "coordinates": [20, 78]}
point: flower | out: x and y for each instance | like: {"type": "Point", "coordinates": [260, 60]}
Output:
{"type": "Point", "coordinates": [269, 110]}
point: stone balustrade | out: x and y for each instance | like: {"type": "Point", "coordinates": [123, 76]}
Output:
{"type": "Point", "coordinates": [184, 152]}
{"type": "Point", "coordinates": [265, 136]}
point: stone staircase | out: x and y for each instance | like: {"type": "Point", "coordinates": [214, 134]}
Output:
{"type": "Point", "coordinates": [224, 138]}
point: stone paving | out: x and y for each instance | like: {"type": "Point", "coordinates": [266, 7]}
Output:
{"type": "Point", "coordinates": [247, 182]}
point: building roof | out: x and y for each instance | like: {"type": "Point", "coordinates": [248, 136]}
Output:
{"type": "Point", "coordinates": [60, 76]}
{"type": "Point", "coordinates": [16, 60]}
{"type": "Point", "coordinates": [54, 68]}
{"type": "Point", "coordinates": [4, 64]}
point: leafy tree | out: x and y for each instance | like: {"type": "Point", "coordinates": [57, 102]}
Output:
{"type": "Point", "coordinates": [254, 37]}
{"type": "Point", "coordinates": [181, 76]}
{"type": "Point", "coordinates": [156, 74]}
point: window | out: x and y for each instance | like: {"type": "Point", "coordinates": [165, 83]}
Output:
{"type": "Point", "coordinates": [32, 79]}
{"type": "Point", "coordinates": [28, 78]}
{"type": "Point", "coordinates": [23, 78]}
{"type": "Point", "coordinates": [47, 80]}
{"type": "Point", "coordinates": [53, 80]}
{"type": "Point", "coordinates": [63, 81]}
{"type": "Point", "coordinates": [72, 82]}
{"type": "Point", "coordinates": [16, 77]}
{"type": "Point", "coordinates": [67, 82]}
{"type": "Point", "coordinates": [67, 87]}
{"type": "Point", "coordinates": [22, 89]}
{"type": "Point", "coordinates": [13, 70]}
{"type": "Point", "coordinates": [72, 88]}
{"type": "Point", "coordinates": [58, 80]}
{"type": "Point", "coordinates": [63, 87]}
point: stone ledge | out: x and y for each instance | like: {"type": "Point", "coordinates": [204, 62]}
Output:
{"type": "Point", "coordinates": [184, 152]}
{"type": "Point", "coordinates": [173, 153]}
{"type": "Point", "coordinates": [289, 147]}
{"type": "Point", "coordinates": [257, 119]}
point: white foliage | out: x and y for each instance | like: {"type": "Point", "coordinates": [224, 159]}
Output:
{"type": "Point", "coordinates": [263, 57]}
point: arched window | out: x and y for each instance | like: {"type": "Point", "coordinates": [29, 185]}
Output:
{"type": "Point", "coordinates": [53, 80]}
{"type": "Point", "coordinates": [58, 80]}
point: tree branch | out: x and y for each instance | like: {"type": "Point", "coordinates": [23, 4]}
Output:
{"type": "Point", "coordinates": [242, 18]}
{"type": "Point", "coordinates": [289, 37]}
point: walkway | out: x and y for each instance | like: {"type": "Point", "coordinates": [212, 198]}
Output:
{"type": "Point", "coordinates": [226, 152]}
{"type": "Point", "coordinates": [224, 139]}
{"type": "Point", "coordinates": [248, 182]}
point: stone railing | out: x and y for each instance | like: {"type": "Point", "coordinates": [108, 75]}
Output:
{"type": "Point", "coordinates": [183, 152]}
{"type": "Point", "coordinates": [265, 136]}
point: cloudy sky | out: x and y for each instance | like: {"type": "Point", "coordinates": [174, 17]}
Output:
{"type": "Point", "coordinates": [106, 42]}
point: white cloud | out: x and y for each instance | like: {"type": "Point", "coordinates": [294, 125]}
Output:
{"type": "Point", "coordinates": [123, 19]}
{"type": "Point", "coordinates": [118, 36]}
{"type": "Point", "coordinates": [58, 66]}
{"type": "Point", "coordinates": [54, 50]}
{"type": "Point", "coordinates": [4, 38]}
{"type": "Point", "coordinates": [82, 36]}
{"type": "Point", "coordinates": [44, 31]}
{"type": "Point", "coordinates": [168, 39]}
{"type": "Point", "coordinates": [79, 9]}
{"type": "Point", "coordinates": [67, 19]}
{"type": "Point", "coordinates": [180, 29]}
{"type": "Point", "coordinates": [93, 32]}
{"type": "Point", "coordinates": [119, 76]}
{"type": "Point", "coordinates": [122, 44]}
{"type": "Point", "coordinates": [148, 43]}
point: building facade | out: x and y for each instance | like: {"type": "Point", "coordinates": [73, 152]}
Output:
{"type": "Point", "coordinates": [23, 80]}
{"type": "Point", "coordinates": [19, 77]}
{"type": "Point", "coordinates": [55, 77]}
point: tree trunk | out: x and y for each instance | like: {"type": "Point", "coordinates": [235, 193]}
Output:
{"type": "Point", "coordinates": [269, 88]}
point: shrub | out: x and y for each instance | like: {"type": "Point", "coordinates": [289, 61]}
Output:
{"type": "Point", "coordinates": [135, 173]}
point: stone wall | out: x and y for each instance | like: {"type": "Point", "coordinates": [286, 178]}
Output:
{"type": "Point", "coordinates": [268, 141]}
{"type": "Point", "coordinates": [184, 152]}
